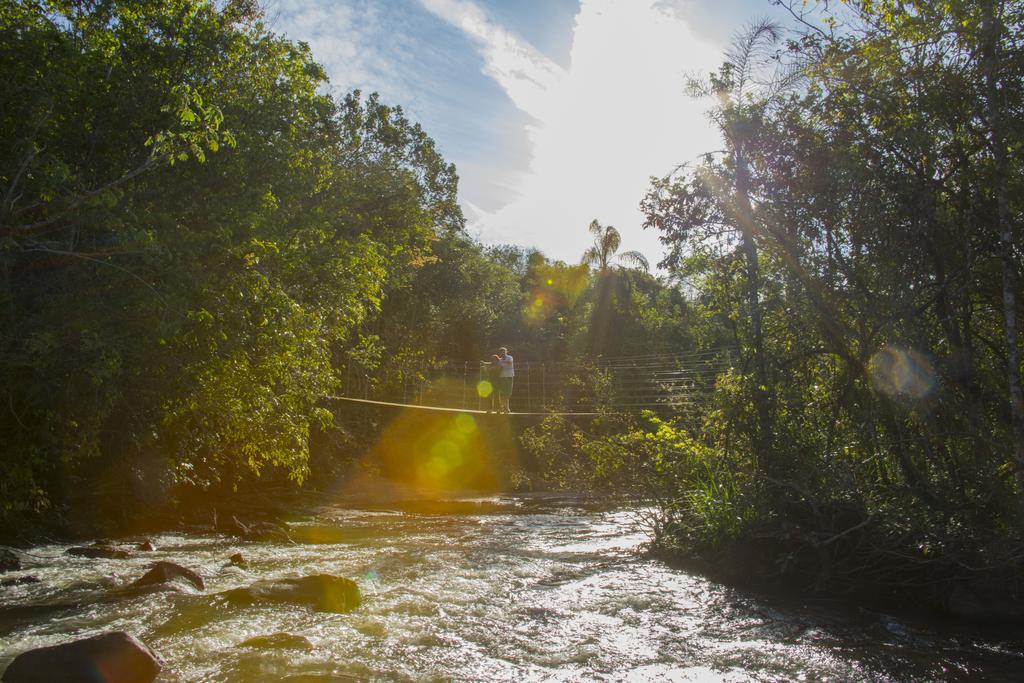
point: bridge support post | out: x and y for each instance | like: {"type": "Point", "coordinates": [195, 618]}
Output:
{"type": "Point", "coordinates": [543, 387]}
{"type": "Point", "coordinates": [529, 395]}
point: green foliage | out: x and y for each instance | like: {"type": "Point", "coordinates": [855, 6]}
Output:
{"type": "Point", "coordinates": [553, 448]}
{"type": "Point", "coordinates": [606, 245]}
{"type": "Point", "coordinates": [883, 299]}
{"type": "Point", "coordinates": [190, 235]}
{"type": "Point", "coordinates": [698, 494]}
{"type": "Point", "coordinates": [197, 247]}
{"type": "Point", "coordinates": [689, 493]}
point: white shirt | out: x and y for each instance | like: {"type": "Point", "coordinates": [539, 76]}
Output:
{"type": "Point", "coordinates": [507, 369]}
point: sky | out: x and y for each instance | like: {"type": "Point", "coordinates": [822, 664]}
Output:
{"type": "Point", "coordinates": [555, 112]}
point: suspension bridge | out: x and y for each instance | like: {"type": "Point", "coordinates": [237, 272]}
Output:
{"type": "Point", "coordinates": [626, 384]}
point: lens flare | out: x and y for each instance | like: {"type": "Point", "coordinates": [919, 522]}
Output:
{"type": "Point", "coordinates": [902, 373]}
{"type": "Point", "coordinates": [484, 389]}
{"type": "Point", "coordinates": [465, 423]}
{"type": "Point", "coordinates": [439, 451]}
{"type": "Point", "coordinates": [555, 288]}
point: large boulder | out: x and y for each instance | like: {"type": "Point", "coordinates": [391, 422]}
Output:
{"type": "Point", "coordinates": [323, 592]}
{"type": "Point", "coordinates": [114, 657]}
{"type": "Point", "coordinates": [237, 560]}
{"type": "Point", "coordinates": [166, 572]}
{"type": "Point", "coordinates": [262, 531]}
{"type": "Point", "coordinates": [9, 562]}
{"type": "Point", "coordinates": [99, 552]}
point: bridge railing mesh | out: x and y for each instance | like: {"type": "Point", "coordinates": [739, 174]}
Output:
{"type": "Point", "coordinates": [625, 384]}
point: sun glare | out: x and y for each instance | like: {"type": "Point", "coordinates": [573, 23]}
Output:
{"type": "Point", "coordinates": [445, 451]}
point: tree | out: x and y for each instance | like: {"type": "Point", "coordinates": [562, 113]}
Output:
{"type": "Point", "coordinates": [999, 75]}
{"type": "Point", "coordinates": [608, 289]}
{"type": "Point", "coordinates": [606, 244]}
{"type": "Point", "coordinates": [882, 196]}
{"type": "Point", "coordinates": [747, 86]}
{"type": "Point", "coordinates": [192, 235]}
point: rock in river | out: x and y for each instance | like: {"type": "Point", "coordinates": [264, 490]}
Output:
{"type": "Point", "coordinates": [324, 592]}
{"type": "Point", "coordinates": [165, 572]}
{"type": "Point", "coordinates": [237, 560]}
{"type": "Point", "coordinates": [114, 657]}
{"type": "Point", "coordinates": [263, 531]}
{"type": "Point", "coordinates": [19, 581]}
{"type": "Point", "coordinates": [99, 551]}
{"type": "Point", "coordinates": [9, 562]}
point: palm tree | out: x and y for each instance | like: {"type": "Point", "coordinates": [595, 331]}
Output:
{"type": "Point", "coordinates": [606, 243]}
{"type": "Point", "coordinates": [611, 289]}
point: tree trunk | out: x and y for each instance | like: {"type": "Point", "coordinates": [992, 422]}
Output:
{"type": "Point", "coordinates": [992, 30]}
{"type": "Point", "coordinates": [745, 217]}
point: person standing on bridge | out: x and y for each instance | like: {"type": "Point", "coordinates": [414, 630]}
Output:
{"type": "Point", "coordinates": [506, 378]}
{"type": "Point", "coordinates": [500, 374]}
{"type": "Point", "coordinates": [493, 374]}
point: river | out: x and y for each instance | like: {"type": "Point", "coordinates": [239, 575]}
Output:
{"type": "Point", "coordinates": [505, 588]}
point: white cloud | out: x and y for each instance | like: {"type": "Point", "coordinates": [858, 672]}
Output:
{"type": "Point", "coordinates": [527, 76]}
{"type": "Point", "coordinates": [601, 129]}
{"type": "Point", "coordinates": [587, 138]}
{"type": "Point", "coordinates": [345, 38]}
{"type": "Point", "coordinates": [330, 31]}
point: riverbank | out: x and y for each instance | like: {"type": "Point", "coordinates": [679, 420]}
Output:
{"type": "Point", "coordinates": [780, 565]}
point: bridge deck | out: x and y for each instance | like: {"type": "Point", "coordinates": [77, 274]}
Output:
{"type": "Point", "coordinates": [457, 410]}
